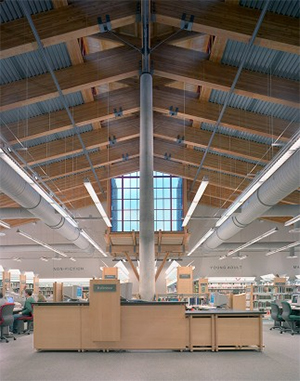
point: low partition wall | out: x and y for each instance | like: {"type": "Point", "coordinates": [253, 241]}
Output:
{"type": "Point", "coordinates": [225, 329]}
{"type": "Point", "coordinates": [146, 326]}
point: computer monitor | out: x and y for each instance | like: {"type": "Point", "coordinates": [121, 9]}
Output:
{"type": "Point", "coordinates": [295, 299]}
{"type": "Point", "coordinates": [218, 300]}
{"type": "Point", "coordinates": [10, 299]}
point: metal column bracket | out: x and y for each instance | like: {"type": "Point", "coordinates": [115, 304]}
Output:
{"type": "Point", "coordinates": [173, 112]}
{"type": "Point", "coordinates": [125, 156]}
{"type": "Point", "coordinates": [167, 156]}
{"type": "Point", "coordinates": [112, 140]}
{"type": "Point", "coordinates": [118, 113]}
{"type": "Point", "coordinates": [186, 25]}
{"type": "Point", "coordinates": [179, 139]}
{"type": "Point", "coordinates": [104, 26]}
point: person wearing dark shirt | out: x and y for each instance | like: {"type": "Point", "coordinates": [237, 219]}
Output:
{"type": "Point", "coordinates": [2, 300]}
{"type": "Point", "coordinates": [26, 311]}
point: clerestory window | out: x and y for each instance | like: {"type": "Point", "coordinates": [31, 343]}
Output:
{"type": "Point", "coordinates": [125, 202]}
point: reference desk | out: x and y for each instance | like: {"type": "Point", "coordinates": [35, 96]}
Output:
{"type": "Point", "coordinates": [106, 323]}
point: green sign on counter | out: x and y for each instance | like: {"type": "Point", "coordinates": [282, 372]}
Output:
{"type": "Point", "coordinates": [109, 277]}
{"type": "Point", "coordinates": [184, 276]}
{"type": "Point", "coordinates": [105, 288]}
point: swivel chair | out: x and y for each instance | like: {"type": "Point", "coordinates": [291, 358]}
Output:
{"type": "Point", "coordinates": [275, 315]}
{"type": "Point", "coordinates": [290, 319]}
{"type": "Point", "coordinates": [29, 320]}
{"type": "Point", "coordinates": [6, 320]}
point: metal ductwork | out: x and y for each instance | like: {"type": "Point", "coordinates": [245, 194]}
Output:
{"type": "Point", "coordinates": [15, 187]}
{"type": "Point", "coordinates": [15, 213]}
{"type": "Point", "coordinates": [283, 182]}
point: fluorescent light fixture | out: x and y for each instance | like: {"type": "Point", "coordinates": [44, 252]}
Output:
{"type": "Point", "coordinates": [72, 259]}
{"type": "Point", "coordinates": [293, 244]}
{"type": "Point", "coordinates": [32, 182]}
{"type": "Point", "coordinates": [91, 241]}
{"type": "Point", "coordinates": [292, 220]}
{"type": "Point", "coordinates": [201, 240]}
{"type": "Point", "coordinates": [239, 256]}
{"type": "Point", "coordinates": [44, 259]}
{"type": "Point", "coordinates": [26, 235]}
{"type": "Point", "coordinates": [92, 193]}
{"type": "Point", "coordinates": [4, 224]}
{"type": "Point", "coordinates": [252, 241]}
{"type": "Point", "coordinates": [56, 258]}
{"type": "Point", "coordinates": [222, 257]}
{"type": "Point", "coordinates": [195, 201]}
{"type": "Point", "coordinates": [282, 156]}
{"type": "Point", "coordinates": [17, 259]}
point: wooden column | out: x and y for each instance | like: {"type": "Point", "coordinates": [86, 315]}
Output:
{"type": "Point", "coordinates": [58, 292]}
{"type": "Point", "coordinates": [36, 285]}
{"type": "Point", "coordinates": [105, 310]}
{"type": "Point", "coordinates": [22, 283]}
{"type": "Point", "coordinates": [184, 280]}
{"type": "Point", "coordinates": [110, 273]}
{"type": "Point", "coordinates": [5, 281]}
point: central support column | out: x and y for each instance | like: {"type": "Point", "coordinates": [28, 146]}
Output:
{"type": "Point", "coordinates": [146, 238]}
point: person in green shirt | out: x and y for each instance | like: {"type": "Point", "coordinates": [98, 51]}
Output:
{"type": "Point", "coordinates": [27, 309]}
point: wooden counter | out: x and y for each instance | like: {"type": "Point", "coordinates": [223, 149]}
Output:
{"type": "Point", "coordinates": [143, 326]}
{"type": "Point", "coordinates": [225, 329]}
{"type": "Point", "coordinates": [146, 326]}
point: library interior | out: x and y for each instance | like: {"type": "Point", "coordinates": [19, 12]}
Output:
{"type": "Point", "coordinates": [150, 190]}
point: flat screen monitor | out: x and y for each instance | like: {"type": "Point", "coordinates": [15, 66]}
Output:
{"type": "Point", "coordinates": [79, 292]}
{"type": "Point", "coordinates": [295, 299]}
{"type": "Point", "coordinates": [219, 300]}
{"type": "Point", "coordinates": [10, 299]}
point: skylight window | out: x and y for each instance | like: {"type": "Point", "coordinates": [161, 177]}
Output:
{"type": "Point", "coordinates": [125, 202]}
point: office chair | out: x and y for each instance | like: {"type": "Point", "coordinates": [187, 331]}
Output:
{"type": "Point", "coordinates": [6, 319]}
{"type": "Point", "coordinates": [29, 320]}
{"type": "Point", "coordinates": [275, 315]}
{"type": "Point", "coordinates": [290, 318]}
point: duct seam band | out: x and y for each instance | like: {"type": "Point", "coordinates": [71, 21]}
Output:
{"type": "Point", "coordinates": [237, 223]}
{"type": "Point", "coordinates": [34, 207]}
{"type": "Point", "coordinates": [267, 205]}
{"type": "Point", "coordinates": [57, 226]}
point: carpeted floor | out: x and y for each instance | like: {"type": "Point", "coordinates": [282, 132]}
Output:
{"type": "Point", "coordinates": [280, 361]}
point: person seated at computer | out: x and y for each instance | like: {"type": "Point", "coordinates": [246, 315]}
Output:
{"type": "Point", "coordinates": [41, 298]}
{"type": "Point", "coordinates": [26, 311]}
{"type": "Point", "coordinates": [2, 300]}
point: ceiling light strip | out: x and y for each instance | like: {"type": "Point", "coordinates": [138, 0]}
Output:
{"type": "Point", "coordinates": [195, 201]}
{"type": "Point", "coordinates": [292, 220]}
{"type": "Point", "coordinates": [26, 235]}
{"type": "Point", "coordinates": [252, 241]}
{"type": "Point", "coordinates": [96, 246]}
{"type": "Point", "coordinates": [293, 244]}
{"type": "Point", "coordinates": [201, 240]}
{"type": "Point", "coordinates": [89, 187]}
{"type": "Point", "coordinates": [4, 224]}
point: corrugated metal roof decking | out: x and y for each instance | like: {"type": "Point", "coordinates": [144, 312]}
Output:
{"type": "Point", "coordinates": [256, 106]}
{"type": "Point", "coordinates": [282, 7]}
{"type": "Point", "coordinates": [263, 60]}
{"type": "Point", "coordinates": [10, 9]}
{"type": "Point", "coordinates": [40, 108]}
{"type": "Point", "coordinates": [31, 64]}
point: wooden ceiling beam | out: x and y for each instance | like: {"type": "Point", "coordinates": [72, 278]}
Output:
{"type": "Point", "coordinates": [238, 23]}
{"type": "Point", "coordinates": [116, 64]}
{"type": "Point", "coordinates": [63, 24]}
{"type": "Point", "coordinates": [277, 31]}
{"type": "Point", "coordinates": [189, 68]}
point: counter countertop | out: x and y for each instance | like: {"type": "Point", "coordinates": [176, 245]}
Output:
{"type": "Point", "coordinates": [123, 303]}
{"type": "Point", "coordinates": [219, 311]}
